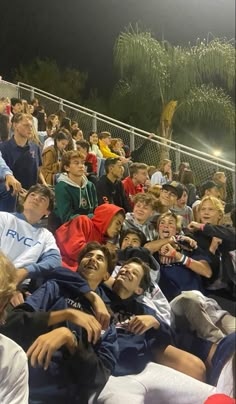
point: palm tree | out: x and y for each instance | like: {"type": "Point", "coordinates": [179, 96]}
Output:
{"type": "Point", "coordinates": [183, 79]}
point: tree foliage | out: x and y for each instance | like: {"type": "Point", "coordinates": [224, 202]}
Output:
{"type": "Point", "coordinates": [47, 75]}
{"type": "Point", "coordinates": [199, 78]}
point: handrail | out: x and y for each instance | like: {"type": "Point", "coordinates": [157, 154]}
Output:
{"type": "Point", "coordinates": [139, 132]}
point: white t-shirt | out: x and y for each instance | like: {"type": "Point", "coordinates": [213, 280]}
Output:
{"type": "Point", "coordinates": [22, 243]}
{"type": "Point", "coordinates": [14, 373]}
{"type": "Point", "coordinates": [158, 178]}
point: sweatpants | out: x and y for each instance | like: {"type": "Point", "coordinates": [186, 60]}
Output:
{"type": "Point", "coordinates": [156, 384]}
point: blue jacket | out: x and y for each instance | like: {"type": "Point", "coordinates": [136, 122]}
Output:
{"type": "Point", "coordinates": [71, 377]}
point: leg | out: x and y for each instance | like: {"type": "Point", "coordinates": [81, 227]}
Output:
{"type": "Point", "coordinates": [192, 308]}
{"type": "Point", "coordinates": [227, 324]}
{"type": "Point", "coordinates": [156, 384]}
{"type": "Point", "coordinates": [182, 361]}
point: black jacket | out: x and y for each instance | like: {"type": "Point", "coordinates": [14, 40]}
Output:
{"type": "Point", "coordinates": [109, 192]}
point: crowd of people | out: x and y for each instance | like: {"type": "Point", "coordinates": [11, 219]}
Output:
{"type": "Point", "coordinates": [117, 279]}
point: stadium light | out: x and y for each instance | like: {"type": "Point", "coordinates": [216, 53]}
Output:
{"type": "Point", "coordinates": [217, 153]}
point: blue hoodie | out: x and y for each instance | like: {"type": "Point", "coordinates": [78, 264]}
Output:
{"type": "Point", "coordinates": [77, 376]}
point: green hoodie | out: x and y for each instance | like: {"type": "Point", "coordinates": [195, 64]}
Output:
{"type": "Point", "coordinates": [73, 200]}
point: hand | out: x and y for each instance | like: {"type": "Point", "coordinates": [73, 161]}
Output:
{"type": "Point", "coordinates": [124, 159]}
{"type": "Point", "coordinates": [11, 181]}
{"type": "Point", "coordinates": [100, 309]}
{"type": "Point", "coordinates": [101, 312]}
{"type": "Point", "coordinates": [192, 243]}
{"type": "Point", "coordinates": [41, 351]}
{"type": "Point", "coordinates": [168, 251]}
{"type": "Point", "coordinates": [17, 299]}
{"type": "Point", "coordinates": [151, 135]}
{"type": "Point", "coordinates": [215, 242]}
{"type": "Point", "coordinates": [194, 226]}
{"type": "Point", "coordinates": [88, 322]}
{"type": "Point", "coordinates": [140, 324]}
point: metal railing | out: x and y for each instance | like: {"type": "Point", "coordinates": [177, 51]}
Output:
{"type": "Point", "coordinates": [202, 164]}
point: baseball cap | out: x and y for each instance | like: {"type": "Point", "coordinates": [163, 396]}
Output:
{"type": "Point", "coordinates": [207, 185]}
{"type": "Point", "coordinates": [174, 186]}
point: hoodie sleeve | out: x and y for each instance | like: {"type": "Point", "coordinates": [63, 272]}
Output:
{"type": "Point", "coordinates": [71, 237]}
{"type": "Point", "coordinates": [92, 366]}
{"type": "Point", "coordinates": [227, 234]}
{"type": "Point", "coordinates": [64, 208]}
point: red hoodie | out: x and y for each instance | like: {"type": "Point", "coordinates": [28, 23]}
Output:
{"type": "Point", "coordinates": [72, 236]}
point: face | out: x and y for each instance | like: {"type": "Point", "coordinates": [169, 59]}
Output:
{"type": "Point", "coordinates": [142, 212]}
{"type": "Point", "coordinates": [37, 202]}
{"type": "Point", "coordinates": [114, 227]}
{"type": "Point", "coordinates": [30, 109]}
{"type": "Point", "coordinates": [129, 278]}
{"type": "Point", "coordinates": [17, 108]}
{"type": "Point", "coordinates": [94, 138]}
{"type": "Point", "coordinates": [107, 140]}
{"type": "Point", "coordinates": [181, 202]}
{"type": "Point", "coordinates": [167, 227]}
{"type": "Point", "coordinates": [76, 168]}
{"type": "Point", "coordinates": [141, 176]}
{"type": "Point", "coordinates": [209, 214]}
{"type": "Point", "coordinates": [117, 170]}
{"type": "Point", "coordinates": [222, 178]}
{"type": "Point", "coordinates": [167, 167]}
{"type": "Point", "coordinates": [167, 198]}
{"type": "Point", "coordinates": [61, 144]}
{"type": "Point", "coordinates": [82, 149]}
{"type": "Point", "coordinates": [93, 267]}
{"type": "Point", "coordinates": [79, 136]}
{"type": "Point", "coordinates": [131, 240]}
{"type": "Point", "coordinates": [74, 126]}
{"type": "Point", "coordinates": [24, 128]}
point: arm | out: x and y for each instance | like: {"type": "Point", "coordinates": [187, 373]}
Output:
{"type": "Point", "coordinates": [48, 260]}
{"type": "Point", "coordinates": [49, 163]}
{"type": "Point", "coordinates": [63, 202]}
{"type": "Point", "coordinates": [156, 245]}
{"type": "Point", "coordinates": [199, 267]}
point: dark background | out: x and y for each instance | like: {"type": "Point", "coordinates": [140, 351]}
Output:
{"type": "Point", "coordinates": [82, 33]}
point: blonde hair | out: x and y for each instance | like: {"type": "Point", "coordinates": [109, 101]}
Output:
{"type": "Point", "coordinates": [178, 220]}
{"type": "Point", "coordinates": [155, 190]}
{"type": "Point", "coordinates": [162, 165]}
{"type": "Point", "coordinates": [217, 204]}
{"type": "Point", "coordinates": [7, 279]}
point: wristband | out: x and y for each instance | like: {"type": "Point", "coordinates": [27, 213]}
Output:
{"type": "Point", "coordinates": [202, 226]}
{"type": "Point", "coordinates": [189, 262]}
{"type": "Point", "coordinates": [183, 258]}
{"type": "Point", "coordinates": [173, 253]}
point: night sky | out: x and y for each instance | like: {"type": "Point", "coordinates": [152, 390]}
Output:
{"type": "Point", "coordinates": [81, 33]}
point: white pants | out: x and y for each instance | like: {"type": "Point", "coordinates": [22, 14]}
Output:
{"type": "Point", "coordinates": [156, 384]}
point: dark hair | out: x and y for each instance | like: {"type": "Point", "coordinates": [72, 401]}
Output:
{"type": "Point", "coordinates": [60, 136]}
{"type": "Point", "coordinates": [136, 232]}
{"type": "Point", "coordinates": [68, 156]}
{"type": "Point", "coordinates": [146, 279]}
{"type": "Point", "coordinates": [187, 177]}
{"type": "Point", "coordinates": [4, 131]}
{"type": "Point", "coordinates": [75, 131]}
{"type": "Point", "coordinates": [110, 162]}
{"type": "Point", "coordinates": [93, 245]}
{"type": "Point", "coordinates": [45, 191]}
{"type": "Point", "coordinates": [15, 101]}
{"type": "Point", "coordinates": [84, 144]}
{"type": "Point", "coordinates": [41, 120]}
{"type": "Point", "coordinates": [66, 123]}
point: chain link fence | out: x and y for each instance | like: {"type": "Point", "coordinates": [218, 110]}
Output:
{"type": "Point", "coordinates": [202, 164]}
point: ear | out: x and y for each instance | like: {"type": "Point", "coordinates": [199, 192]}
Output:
{"type": "Point", "coordinates": [139, 291]}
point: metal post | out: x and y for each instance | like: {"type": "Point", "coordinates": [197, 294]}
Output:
{"type": "Point", "coordinates": [94, 122]}
{"type": "Point", "coordinates": [61, 105]}
{"type": "Point", "coordinates": [177, 157]}
{"type": "Point", "coordinates": [31, 93]}
{"type": "Point", "coordinates": [132, 143]}
{"type": "Point", "coordinates": [234, 185]}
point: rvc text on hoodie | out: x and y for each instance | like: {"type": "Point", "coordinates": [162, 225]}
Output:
{"type": "Point", "coordinates": [72, 236]}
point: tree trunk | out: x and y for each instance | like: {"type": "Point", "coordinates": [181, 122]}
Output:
{"type": "Point", "coordinates": [166, 127]}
